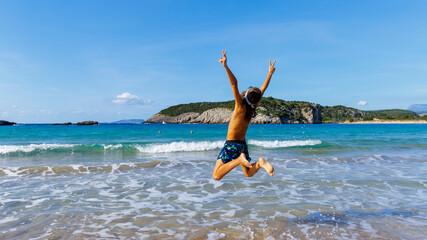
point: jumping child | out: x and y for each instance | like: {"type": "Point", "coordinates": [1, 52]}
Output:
{"type": "Point", "coordinates": [235, 151]}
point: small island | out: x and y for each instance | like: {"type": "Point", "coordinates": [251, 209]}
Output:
{"type": "Point", "coordinates": [87, 123]}
{"type": "Point", "coordinates": [67, 123]}
{"type": "Point", "coordinates": [277, 111]}
{"type": "Point", "coordinates": [6, 123]}
{"type": "Point", "coordinates": [79, 123]}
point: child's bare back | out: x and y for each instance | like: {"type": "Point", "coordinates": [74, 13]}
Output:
{"type": "Point", "coordinates": [238, 125]}
{"type": "Point", "coordinates": [235, 151]}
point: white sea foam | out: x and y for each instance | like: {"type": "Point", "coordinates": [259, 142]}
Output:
{"type": "Point", "coordinates": [8, 219]}
{"type": "Point", "coordinates": [4, 149]}
{"type": "Point", "coordinates": [180, 147]}
{"type": "Point", "coordinates": [215, 235]}
{"type": "Point", "coordinates": [112, 146]}
{"type": "Point", "coordinates": [73, 169]}
{"type": "Point", "coordinates": [282, 144]}
{"type": "Point", "coordinates": [185, 197]}
{"type": "Point", "coordinates": [35, 202]}
{"type": "Point", "coordinates": [12, 172]}
{"type": "Point", "coordinates": [211, 145]}
{"type": "Point", "coordinates": [103, 233]}
{"type": "Point", "coordinates": [229, 213]}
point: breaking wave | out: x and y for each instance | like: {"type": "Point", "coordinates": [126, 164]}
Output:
{"type": "Point", "coordinates": [206, 145]}
{"type": "Point", "coordinates": [150, 148]}
{"type": "Point", "coordinates": [180, 147]}
{"type": "Point", "coordinates": [32, 147]}
{"type": "Point", "coordinates": [283, 144]}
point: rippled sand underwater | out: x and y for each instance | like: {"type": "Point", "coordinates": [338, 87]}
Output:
{"type": "Point", "coordinates": [322, 198]}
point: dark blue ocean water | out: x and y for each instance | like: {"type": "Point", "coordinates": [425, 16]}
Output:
{"type": "Point", "coordinates": [130, 181]}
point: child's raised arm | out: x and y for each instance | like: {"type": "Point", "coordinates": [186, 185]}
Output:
{"type": "Point", "coordinates": [233, 80]}
{"type": "Point", "coordinates": [271, 70]}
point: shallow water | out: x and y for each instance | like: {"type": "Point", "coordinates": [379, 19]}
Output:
{"type": "Point", "coordinates": [129, 182]}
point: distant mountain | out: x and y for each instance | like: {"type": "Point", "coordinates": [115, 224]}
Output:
{"type": "Point", "coordinates": [129, 121]}
{"type": "Point", "coordinates": [418, 108]}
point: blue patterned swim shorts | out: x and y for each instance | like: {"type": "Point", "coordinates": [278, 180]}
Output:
{"type": "Point", "coordinates": [232, 150]}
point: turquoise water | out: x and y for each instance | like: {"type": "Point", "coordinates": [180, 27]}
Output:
{"type": "Point", "coordinates": [132, 182]}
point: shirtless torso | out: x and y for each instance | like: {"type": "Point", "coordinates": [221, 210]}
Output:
{"type": "Point", "coordinates": [237, 129]}
{"type": "Point", "coordinates": [238, 126]}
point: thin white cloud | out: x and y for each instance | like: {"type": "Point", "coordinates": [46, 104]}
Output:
{"type": "Point", "coordinates": [129, 99]}
{"type": "Point", "coordinates": [26, 112]}
{"type": "Point", "coordinates": [362, 103]}
{"type": "Point", "coordinates": [45, 111]}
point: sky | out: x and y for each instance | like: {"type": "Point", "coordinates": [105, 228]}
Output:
{"type": "Point", "coordinates": [73, 61]}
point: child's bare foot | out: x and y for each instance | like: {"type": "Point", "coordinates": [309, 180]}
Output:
{"type": "Point", "coordinates": [267, 166]}
{"type": "Point", "coordinates": [243, 161]}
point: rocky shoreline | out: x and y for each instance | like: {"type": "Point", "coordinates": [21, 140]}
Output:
{"type": "Point", "coordinates": [310, 115]}
{"type": "Point", "coordinates": [277, 111]}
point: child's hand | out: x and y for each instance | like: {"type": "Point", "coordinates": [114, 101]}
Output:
{"type": "Point", "coordinates": [271, 69]}
{"type": "Point", "coordinates": [223, 60]}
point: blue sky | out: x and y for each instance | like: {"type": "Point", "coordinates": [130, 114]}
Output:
{"type": "Point", "coordinates": [109, 60]}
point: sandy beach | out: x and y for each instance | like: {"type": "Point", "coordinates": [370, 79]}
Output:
{"type": "Point", "coordinates": [387, 122]}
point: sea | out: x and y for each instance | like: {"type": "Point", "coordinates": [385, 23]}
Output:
{"type": "Point", "coordinates": [154, 181]}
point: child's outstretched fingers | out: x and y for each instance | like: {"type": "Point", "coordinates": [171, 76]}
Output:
{"type": "Point", "coordinates": [271, 68]}
{"type": "Point", "coordinates": [272, 65]}
{"type": "Point", "coordinates": [223, 59]}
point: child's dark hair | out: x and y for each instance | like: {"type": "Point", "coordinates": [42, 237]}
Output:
{"type": "Point", "coordinates": [253, 96]}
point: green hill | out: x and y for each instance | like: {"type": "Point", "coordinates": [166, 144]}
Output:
{"type": "Point", "coordinates": [269, 106]}
{"type": "Point", "coordinates": [394, 114]}
{"type": "Point", "coordinates": [294, 110]}
{"type": "Point", "coordinates": [341, 113]}
{"type": "Point", "coordinates": [195, 107]}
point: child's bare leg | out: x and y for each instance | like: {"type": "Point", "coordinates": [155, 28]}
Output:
{"type": "Point", "coordinates": [223, 168]}
{"type": "Point", "coordinates": [262, 163]}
